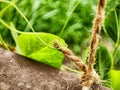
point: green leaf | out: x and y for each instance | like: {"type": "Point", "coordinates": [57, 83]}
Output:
{"type": "Point", "coordinates": [30, 46]}
{"type": "Point", "coordinates": [104, 63]}
{"type": "Point", "coordinates": [29, 42]}
{"type": "Point", "coordinates": [112, 24]}
{"type": "Point", "coordinates": [48, 56]}
{"type": "Point", "coordinates": [115, 77]}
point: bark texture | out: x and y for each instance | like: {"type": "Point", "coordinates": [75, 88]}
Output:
{"type": "Point", "coordinates": [20, 73]}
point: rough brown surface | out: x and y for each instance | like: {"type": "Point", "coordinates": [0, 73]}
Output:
{"type": "Point", "coordinates": [20, 73]}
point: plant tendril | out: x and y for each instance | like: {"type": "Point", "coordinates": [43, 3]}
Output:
{"type": "Point", "coordinates": [68, 18]}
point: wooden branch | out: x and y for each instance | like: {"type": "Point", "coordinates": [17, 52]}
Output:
{"type": "Point", "coordinates": [21, 73]}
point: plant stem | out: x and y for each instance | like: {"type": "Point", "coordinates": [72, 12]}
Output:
{"type": "Point", "coordinates": [3, 10]}
{"type": "Point", "coordinates": [115, 50]}
{"type": "Point", "coordinates": [118, 34]}
{"type": "Point", "coordinates": [3, 43]}
{"type": "Point", "coordinates": [69, 69]}
{"type": "Point", "coordinates": [6, 25]}
{"type": "Point", "coordinates": [24, 17]}
{"type": "Point", "coordinates": [68, 18]}
{"type": "Point", "coordinates": [5, 1]}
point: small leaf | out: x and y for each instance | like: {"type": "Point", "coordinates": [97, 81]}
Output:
{"type": "Point", "coordinates": [30, 46]}
{"type": "Point", "coordinates": [112, 23]}
{"type": "Point", "coordinates": [104, 63]}
{"type": "Point", "coordinates": [115, 76]}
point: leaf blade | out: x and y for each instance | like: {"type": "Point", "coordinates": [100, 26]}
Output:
{"type": "Point", "coordinates": [44, 55]}
{"type": "Point", "coordinates": [32, 47]}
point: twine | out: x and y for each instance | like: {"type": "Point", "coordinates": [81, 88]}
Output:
{"type": "Point", "coordinates": [89, 77]}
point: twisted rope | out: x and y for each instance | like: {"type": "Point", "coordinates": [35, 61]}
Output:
{"type": "Point", "coordinates": [89, 77]}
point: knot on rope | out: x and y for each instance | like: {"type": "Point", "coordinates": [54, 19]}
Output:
{"type": "Point", "coordinates": [89, 78]}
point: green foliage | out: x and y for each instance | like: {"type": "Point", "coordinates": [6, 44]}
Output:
{"type": "Point", "coordinates": [112, 24]}
{"type": "Point", "coordinates": [112, 29]}
{"type": "Point", "coordinates": [115, 76]}
{"type": "Point", "coordinates": [30, 46]}
{"type": "Point", "coordinates": [117, 60]}
{"type": "Point", "coordinates": [111, 4]}
{"type": "Point", "coordinates": [104, 63]}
